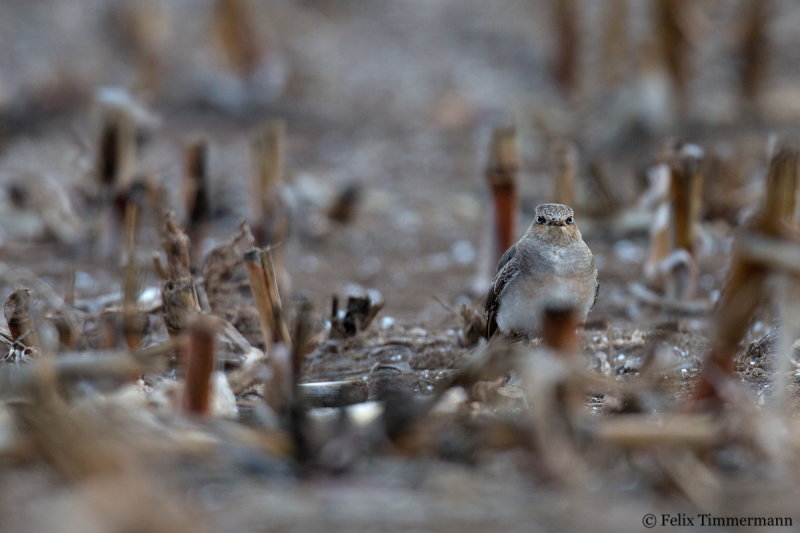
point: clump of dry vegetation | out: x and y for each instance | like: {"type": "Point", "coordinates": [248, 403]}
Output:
{"type": "Point", "coordinates": [248, 297]}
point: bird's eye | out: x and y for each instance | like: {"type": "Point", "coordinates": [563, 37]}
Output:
{"type": "Point", "coordinates": [541, 220]}
{"type": "Point", "coordinates": [570, 220]}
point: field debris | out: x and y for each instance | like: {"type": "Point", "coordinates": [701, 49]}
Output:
{"type": "Point", "coordinates": [238, 255]}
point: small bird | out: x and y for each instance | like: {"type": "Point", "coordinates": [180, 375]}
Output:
{"type": "Point", "coordinates": [549, 265]}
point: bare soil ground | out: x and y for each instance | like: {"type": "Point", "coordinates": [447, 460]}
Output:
{"type": "Point", "coordinates": [397, 100]}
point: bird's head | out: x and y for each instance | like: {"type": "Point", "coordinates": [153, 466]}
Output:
{"type": "Point", "coordinates": [554, 223]}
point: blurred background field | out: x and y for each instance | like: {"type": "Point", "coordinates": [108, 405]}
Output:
{"type": "Point", "coordinates": [385, 112]}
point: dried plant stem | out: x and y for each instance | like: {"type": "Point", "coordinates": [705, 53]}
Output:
{"type": "Point", "coordinates": [18, 318]}
{"type": "Point", "coordinates": [261, 273]}
{"type": "Point", "coordinates": [236, 36]}
{"type": "Point", "coordinates": [196, 193]}
{"type": "Point", "coordinates": [641, 430]}
{"type": "Point", "coordinates": [359, 314]}
{"type": "Point", "coordinates": [555, 397]}
{"type": "Point", "coordinates": [116, 154]}
{"type": "Point", "coordinates": [669, 305]}
{"type": "Point", "coordinates": [69, 329]}
{"type": "Point", "coordinates": [788, 287]}
{"type": "Point", "coordinates": [57, 433]}
{"type": "Point", "coordinates": [151, 36]}
{"type": "Point", "coordinates": [180, 302]}
{"type": "Point", "coordinates": [659, 247]}
{"type": "Point", "coordinates": [175, 244]}
{"type": "Point", "coordinates": [609, 200]}
{"type": "Point", "coordinates": [158, 266]}
{"type": "Point", "coordinates": [565, 398]}
{"type": "Point", "coordinates": [164, 348]}
{"type": "Point", "coordinates": [780, 202]}
{"type": "Point", "coordinates": [686, 186]}
{"type": "Point", "coordinates": [267, 175]}
{"type": "Point", "coordinates": [178, 294]}
{"type": "Point", "coordinates": [773, 251]}
{"type": "Point", "coordinates": [141, 26]}
{"type": "Point", "coordinates": [301, 340]}
{"type": "Point", "coordinates": [269, 154]}
{"type": "Point", "coordinates": [270, 215]}
{"type": "Point", "coordinates": [671, 18]}
{"type": "Point", "coordinates": [501, 173]}
{"type": "Point", "coordinates": [114, 170]}
{"type": "Point", "coordinates": [615, 40]}
{"type": "Point", "coordinates": [281, 330]}
{"type": "Point", "coordinates": [343, 208]}
{"type": "Point", "coordinates": [754, 49]}
{"type": "Point", "coordinates": [746, 286]}
{"type": "Point", "coordinates": [279, 391]}
{"type": "Point", "coordinates": [558, 329]}
{"type": "Point", "coordinates": [131, 222]}
{"type": "Point", "coordinates": [740, 299]}
{"type": "Point", "coordinates": [566, 61]}
{"type": "Point", "coordinates": [198, 356]}
{"type": "Point", "coordinates": [68, 368]}
{"type": "Point", "coordinates": [685, 191]}
{"type": "Point", "coordinates": [671, 266]}
{"type": "Point", "coordinates": [566, 172]}
{"type": "Point", "coordinates": [132, 321]}
{"type": "Point", "coordinates": [69, 292]}
{"type": "Point", "coordinates": [258, 286]}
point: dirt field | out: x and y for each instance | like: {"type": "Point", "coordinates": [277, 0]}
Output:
{"type": "Point", "coordinates": [388, 110]}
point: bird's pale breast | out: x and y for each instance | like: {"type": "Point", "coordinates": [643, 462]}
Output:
{"type": "Point", "coordinates": [550, 275]}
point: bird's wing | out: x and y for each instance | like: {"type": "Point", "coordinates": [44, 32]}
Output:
{"type": "Point", "coordinates": [507, 268]}
{"type": "Point", "coordinates": [596, 284]}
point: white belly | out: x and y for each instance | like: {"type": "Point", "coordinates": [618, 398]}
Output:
{"type": "Point", "coordinates": [521, 305]}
